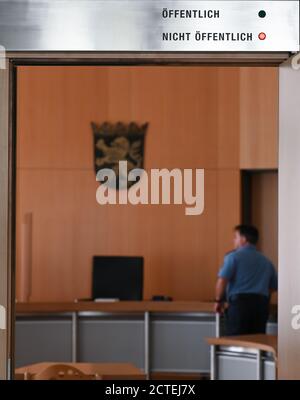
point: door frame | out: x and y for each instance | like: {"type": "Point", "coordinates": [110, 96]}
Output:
{"type": "Point", "coordinates": [8, 137]}
{"type": "Point", "coordinates": [7, 217]}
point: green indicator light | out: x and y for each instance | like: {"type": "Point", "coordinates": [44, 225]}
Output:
{"type": "Point", "coordinates": [262, 14]}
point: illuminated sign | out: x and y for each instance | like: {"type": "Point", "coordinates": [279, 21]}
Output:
{"type": "Point", "coordinates": [150, 25]}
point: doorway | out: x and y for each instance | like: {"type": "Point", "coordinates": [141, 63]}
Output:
{"type": "Point", "coordinates": [8, 80]}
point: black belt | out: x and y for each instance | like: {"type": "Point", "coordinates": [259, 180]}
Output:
{"type": "Point", "coordinates": [247, 296]}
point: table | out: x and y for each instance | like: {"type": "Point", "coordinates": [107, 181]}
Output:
{"type": "Point", "coordinates": [85, 331]}
{"type": "Point", "coordinates": [104, 370]}
{"type": "Point", "coordinates": [234, 347]}
{"type": "Point", "coordinates": [146, 311]}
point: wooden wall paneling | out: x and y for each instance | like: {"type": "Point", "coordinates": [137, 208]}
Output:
{"type": "Point", "coordinates": [25, 263]}
{"type": "Point", "coordinates": [228, 117]}
{"type": "Point", "coordinates": [188, 92]}
{"type": "Point", "coordinates": [191, 112]}
{"type": "Point", "coordinates": [258, 118]}
{"type": "Point", "coordinates": [179, 251]}
{"type": "Point", "coordinates": [228, 209]}
{"type": "Point", "coordinates": [265, 212]}
{"type": "Point", "coordinates": [54, 118]}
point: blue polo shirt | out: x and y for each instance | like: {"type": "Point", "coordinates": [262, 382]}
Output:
{"type": "Point", "coordinates": [248, 271]}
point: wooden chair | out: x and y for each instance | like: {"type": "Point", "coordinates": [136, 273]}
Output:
{"type": "Point", "coordinates": [62, 372]}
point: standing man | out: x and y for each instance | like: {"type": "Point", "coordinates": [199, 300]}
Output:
{"type": "Point", "coordinates": [247, 279]}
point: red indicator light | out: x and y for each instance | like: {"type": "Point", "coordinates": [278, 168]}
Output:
{"type": "Point", "coordinates": [262, 36]}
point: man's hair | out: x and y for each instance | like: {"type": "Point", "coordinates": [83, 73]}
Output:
{"type": "Point", "coordinates": [249, 232]}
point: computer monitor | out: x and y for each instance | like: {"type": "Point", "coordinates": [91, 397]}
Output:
{"type": "Point", "coordinates": [118, 277]}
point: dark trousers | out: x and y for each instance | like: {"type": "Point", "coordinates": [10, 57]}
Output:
{"type": "Point", "coordinates": [247, 314]}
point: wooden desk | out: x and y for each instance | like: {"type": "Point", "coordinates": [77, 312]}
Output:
{"type": "Point", "coordinates": [259, 343]}
{"type": "Point", "coordinates": [122, 307]}
{"type": "Point", "coordinates": [187, 323]}
{"type": "Point", "coordinates": [266, 343]}
{"type": "Point", "coordinates": [117, 306]}
{"type": "Point", "coordinates": [143, 312]}
{"type": "Point", "coordinates": [107, 371]}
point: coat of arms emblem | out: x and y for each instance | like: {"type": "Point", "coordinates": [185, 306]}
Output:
{"type": "Point", "coordinates": [119, 142]}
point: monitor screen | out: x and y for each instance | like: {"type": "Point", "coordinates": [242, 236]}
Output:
{"type": "Point", "coordinates": [118, 277]}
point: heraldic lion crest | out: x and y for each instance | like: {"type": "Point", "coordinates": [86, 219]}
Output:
{"type": "Point", "coordinates": [119, 142]}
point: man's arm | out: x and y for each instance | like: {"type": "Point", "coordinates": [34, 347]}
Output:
{"type": "Point", "coordinates": [225, 275]}
{"type": "Point", "coordinates": [220, 291]}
